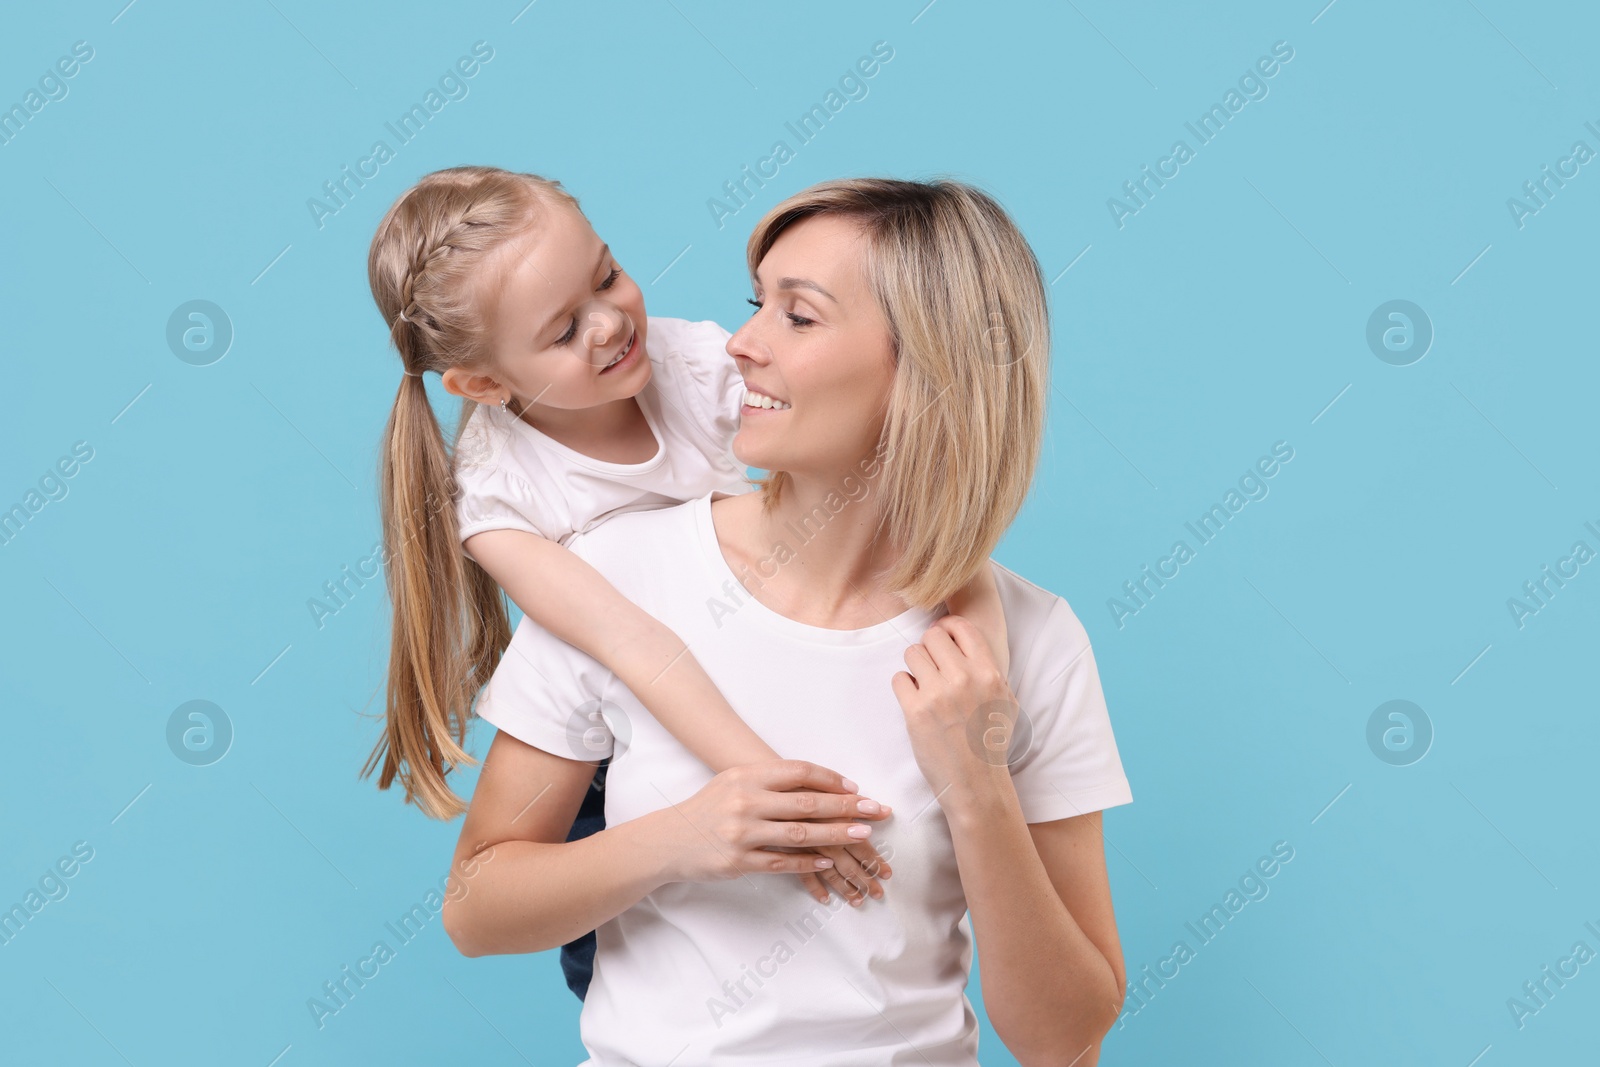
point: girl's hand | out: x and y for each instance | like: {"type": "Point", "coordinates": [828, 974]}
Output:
{"type": "Point", "coordinates": [856, 866]}
{"type": "Point", "coordinates": [959, 710]}
{"type": "Point", "coordinates": [732, 825]}
{"type": "Point", "coordinates": [855, 871]}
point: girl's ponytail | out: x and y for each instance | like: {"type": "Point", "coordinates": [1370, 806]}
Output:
{"type": "Point", "coordinates": [450, 623]}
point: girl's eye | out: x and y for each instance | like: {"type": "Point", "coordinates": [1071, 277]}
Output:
{"type": "Point", "coordinates": [753, 303]}
{"type": "Point", "coordinates": [572, 330]}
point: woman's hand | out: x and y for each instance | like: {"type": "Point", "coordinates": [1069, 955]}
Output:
{"type": "Point", "coordinates": [979, 602]}
{"type": "Point", "coordinates": [959, 710]}
{"type": "Point", "coordinates": [728, 828]}
{"type": "Point", "coordinates": [855, 871]}
{"type": "Point", "coordinates": [857, 867]}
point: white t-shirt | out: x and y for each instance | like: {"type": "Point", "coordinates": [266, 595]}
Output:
{"type": "Point", "coordinates": [807, 984]}
{"type": "Point", "coordinates": [512, 476]}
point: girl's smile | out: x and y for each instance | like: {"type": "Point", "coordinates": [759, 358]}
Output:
{"type": "Point", "coordinates": [629, 356]}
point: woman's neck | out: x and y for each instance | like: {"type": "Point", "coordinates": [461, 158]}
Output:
{"type": "Point", "coordinates": [815, 557]}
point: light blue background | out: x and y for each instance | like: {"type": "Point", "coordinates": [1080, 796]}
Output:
{"type": "Point", "coordinates": [1227, 315]}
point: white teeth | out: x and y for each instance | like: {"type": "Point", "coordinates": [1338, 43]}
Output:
{"type": "Point", "coordinates": [614, 362]}
{"type": "Point", "coordinates": [761, 400]}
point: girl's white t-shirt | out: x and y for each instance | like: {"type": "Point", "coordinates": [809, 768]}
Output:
{"type": "Point", "coordinates": [754, 969]}
{"type": "Point", "coordinates": [511, 476]}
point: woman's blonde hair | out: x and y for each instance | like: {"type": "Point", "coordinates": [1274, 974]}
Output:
{"type": "Point", "coordinates": [431, 269]}
{"type": "Point", "coordinates": [966, 305]}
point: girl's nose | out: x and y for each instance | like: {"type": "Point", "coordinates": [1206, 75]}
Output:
{"type": "Point", "coordinates": [603, 326]}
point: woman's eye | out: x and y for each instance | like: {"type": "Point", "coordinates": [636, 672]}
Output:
{"type": "Point", "coordinates": [611, 279]}
{"type": "Point", "coordinates": [791, 316]}
{"type": "Point", "coordinates": [572, 331]}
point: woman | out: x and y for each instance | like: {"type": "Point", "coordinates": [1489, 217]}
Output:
{"type": "Point", "coordinates": [900, 328]}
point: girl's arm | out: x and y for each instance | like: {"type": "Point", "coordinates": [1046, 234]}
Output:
{"type": "Point", "coordinates": [979, 601]}
{"type": "Point", "coordinates": [570, 599]}
{"type": "Point", "coordinates": [561, 592]}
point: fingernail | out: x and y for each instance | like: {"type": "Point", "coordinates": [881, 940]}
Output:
{"type": "Point", "coordinates": [860, 831]}
{"type": "Point", "coordinates": [869, 807]}
{"type": "Point", "coordinates": [824, 863]}
{"type": "Point", "coordinates": [849, 785]}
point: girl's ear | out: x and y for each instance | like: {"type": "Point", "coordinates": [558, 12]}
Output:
{"type": "Point", "coordinates": [472, 385]}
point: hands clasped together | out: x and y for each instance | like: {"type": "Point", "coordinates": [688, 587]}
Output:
{"type": "Point", "coordinates": [795, 817]}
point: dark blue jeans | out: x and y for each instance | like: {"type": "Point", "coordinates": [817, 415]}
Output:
{"type": "Point", "coordinates": [577, 956]}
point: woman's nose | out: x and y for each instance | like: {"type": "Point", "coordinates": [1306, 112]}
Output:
{"type": "Point", "coordinates": [745, 341]}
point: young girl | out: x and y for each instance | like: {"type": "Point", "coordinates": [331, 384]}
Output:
{"type": "Point", "coordinates": [576, 407]}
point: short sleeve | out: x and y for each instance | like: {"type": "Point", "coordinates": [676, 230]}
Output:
{"type": "Point", "coordinates": [713, 387]}
{"type": "Point", "coordinates": [1070, 765]}
{"type": "Point", "coordinates": [548, 694]}
{"type": "Point", "coordinates": [490, 494]}
{"type": "Point", "coordinates": [494, 500]}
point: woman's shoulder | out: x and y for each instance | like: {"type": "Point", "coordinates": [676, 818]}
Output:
{"type": "Point", "coordinates": [1068, 763]}
{"type": "Point", "coordinates": [1045, 636]}
{"type": "Point", "coordinates": [1032, 609]}
{"type": "Point", "coordinates": [649, 554]}
{"type": "Point", "coordinates": [641, 537]}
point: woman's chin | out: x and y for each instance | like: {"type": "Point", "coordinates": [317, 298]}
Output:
{"type": "Point", "coordinates": [747, 452]}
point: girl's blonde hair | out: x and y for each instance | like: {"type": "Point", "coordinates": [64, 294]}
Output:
{"type": "Point", "coordinates": [966, 305]}
{"type": "Point", "coordinates": [429, 272]}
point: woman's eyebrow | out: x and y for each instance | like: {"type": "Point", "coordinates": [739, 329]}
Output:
{"type": "Point", "coordinates": [803, 283]}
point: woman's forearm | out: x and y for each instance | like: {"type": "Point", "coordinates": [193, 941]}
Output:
{"type": "Point", "coordinates": [527, 896]}
{"type": "Point", "coordinates": [1049, 991]}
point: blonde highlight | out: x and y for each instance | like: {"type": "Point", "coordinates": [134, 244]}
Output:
{"type": "Point", "coordinates": [431, 268]}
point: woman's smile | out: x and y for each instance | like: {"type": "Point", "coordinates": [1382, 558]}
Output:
{"type": "Point", "coordinates": [754, 401]}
